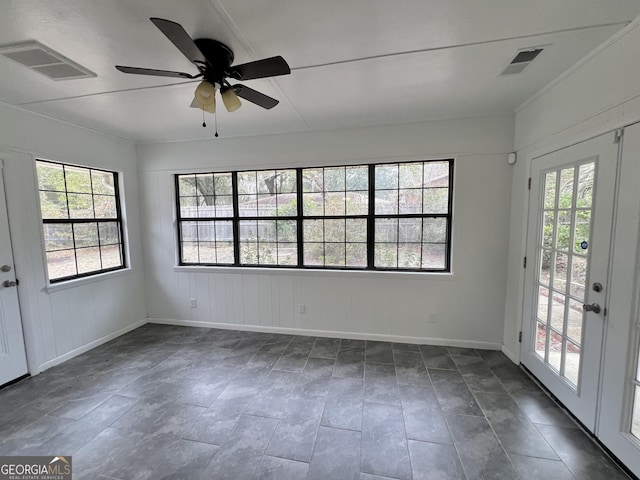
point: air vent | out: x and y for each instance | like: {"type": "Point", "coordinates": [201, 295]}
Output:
{"type": "Point", "coordinates": [522, 60]}
{"type": "Point", "coordinates": [45, 61]}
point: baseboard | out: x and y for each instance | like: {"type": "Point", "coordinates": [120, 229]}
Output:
{"type": "Point", "coordinates": [90, 345]}
{"type": "Point", "coordinates": [512, 356]}
{"type": "Point", "coordinates": [450, 342]}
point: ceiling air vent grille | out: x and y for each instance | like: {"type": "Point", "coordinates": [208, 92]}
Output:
{"type": "Point", "coordinates": [45, 61]}
{"type": "Point", "coordinates": [521, 61]}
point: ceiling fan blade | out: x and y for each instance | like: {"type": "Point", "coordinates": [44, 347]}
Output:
{"type": "Point", "coordinates": [268, 67]}
{"type": "Point", "coordinates": [181, 39]}
{"type": "Point", "coordinates": [157, 73]}
{"type": "Point", "coordinates": [195, 104]}
{"type": "Point", "coordinates": [254, 96]}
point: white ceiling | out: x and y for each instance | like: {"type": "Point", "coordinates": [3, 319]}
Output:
{"type": "Point", "coordinates": [354, 62]}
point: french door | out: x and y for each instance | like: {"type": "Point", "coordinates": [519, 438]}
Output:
{"type": "Point", "coordinates": [568, 247]}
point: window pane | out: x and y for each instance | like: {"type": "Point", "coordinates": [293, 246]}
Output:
{"type": "Point", "coordinates": [434, 256]}
{"type": "Point", "coordinates": [313, 204]}
{"type": "Point", "coordinates": [313, 180]}
{"type": "Point", "coordinates": [356, 230]}
{"type": "Point", "coordinates": [50, 176]}
{"type": "Point", "coordinates": [386, 230]}
{"type": "Point", "coordinates": [53, 205]}
{"type": "Point", "coordinates": [88, 259]}
{"type": "Point", "coordinates": [105, 207]}
{"type": "Point", "coordinates": [386, 202]}
{"type": "Point", "coordinates": [565, 199]}
{"type": "Point", "coordinates": [111, 256]}
{"type": "Point", "coordinates": [85, 234]}
{"type": "Point", "coordinates": [357, 178]}
{"type": "Point", "coordinates": [222, 184]}
{"type": "Point", "coordinates": [78, 180]}
{"type": "Point", "coordinates": [436, 174]}
{"type": "Point", "coordinates": [80, 205]}
{"type": "Point", "coordinates": [189, 252]}
{"type": "Point", "coordinates": [410, 175]}
{"type": "Point", "coordinates": [334, 230]}
{"type": "Point", "coordinates": [409, 255]}
{"type": "Point", "coordinates": [314, 254]}
{"type": "Point", "coordinates": [585, 185]}
{"type": "Point", "coordinates": [187, 185]}
{"type": "Point", "coordinates": [386, 177]}
{"type": "Point", "coordinates": [356, 254]}
{"type": "Point", "coordinates": [223, 206]}
{"type": "Point", "coordinates": [103, 182]}
{"type": "Point", "coordinates": [541, 339]}
{"type": "Point", "coordinates": [188, 207]}
{"type": "Point", "coordinates": [313, 230]}
{"type": "Point", "coordinates": [550, 190]}
{"type": "Point", "coordinates": [357, 202]}
{"type": "Point", "coordinates": [335, 254]}
{"type": "Point", "coordinates": [410, 231]}
{"type": "Point", "coordinates": [334, 179]}
{"type": "Point", "coordinates": [386, 255]}
{"type": "Point", "coordinates": [435, 200]}
{"type": "Point", "coordinates": [61, 264]}
{"type": "Point", "coordinates": [58, 237]}
{"type": "Point", "coordinates": [335, 203]}
{"type": "Point", "coordinates": [287, 231]}
{"type": "Point", "coordinates": [572, 363]}
{"type": "Point", "coordinates": [247, 183]}
{"type": "Point", "coordinates": [410, 200]}
{"type": "Point", "coordinates": [435, 230]}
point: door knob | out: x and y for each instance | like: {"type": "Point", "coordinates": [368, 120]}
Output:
{"type": "Point", "coordinates": [597, 287]}
{"type": "Point", "coordinates": [594, 307]}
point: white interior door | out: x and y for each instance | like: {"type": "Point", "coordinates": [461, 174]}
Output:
{"type": "Point", "coordinates": [568, 245]}
{"type": "Point", "coordinates": [13, 362]}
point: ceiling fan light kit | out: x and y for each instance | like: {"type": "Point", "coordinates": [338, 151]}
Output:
{"type": "Point", "coordinates": [230, 99]}
{"type": "Point", "coordinates": [213, 60]}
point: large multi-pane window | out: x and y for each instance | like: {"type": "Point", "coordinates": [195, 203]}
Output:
{"type": "Point", "coordinates": [81, 219]}
{"type": "Point", "coordinates": [394, 216]}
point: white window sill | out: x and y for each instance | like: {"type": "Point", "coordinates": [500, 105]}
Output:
{"type": "Point", "coordinates": [446, 276]}
{"type": "Point", "coordinates": [77, 282]}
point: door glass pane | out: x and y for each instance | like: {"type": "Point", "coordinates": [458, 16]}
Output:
{"type": "Point", "coordinates": [541, 339]}
{"type": "Point", "coordinates": [565, 199]}
{"type": "Point", "coordinates": [572, 363]}
{"type": "Point", "coordinates": [574, 321]}
{"type": "Point", "coordinates": [557, 312]}
{"type": "Point", "coordinates": [635, 423]}
{"type": "Point", "coordinates": [550, 190]}
{"type": "Point", "coordinates": [578, 276]}
{"type": "Point", "coordinates": [560, 272]}
{"type": "Point", "coordinates": [543, 303]}
{"type": "Point", "coordinates": [563, 246]}
{"type": "Point", "coordinates": [555, 350]}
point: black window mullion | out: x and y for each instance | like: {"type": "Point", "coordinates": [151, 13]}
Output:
{"type": "Point", "coordinates": [236, 218]}
{"type": "Point", "coordinates": [180, 220]}
{"type": "Point", "coordinates": [299, 218]}
{"type": "Point", "coordinates": [371, 219]}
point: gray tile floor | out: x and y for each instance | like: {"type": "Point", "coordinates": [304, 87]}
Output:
{"type": "Point", "coordinates": [189, 403]}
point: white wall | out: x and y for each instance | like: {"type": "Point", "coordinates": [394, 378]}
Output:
{"type": "Point", "coordinates": [468, 306]}
{"type": "Point", "coordinates": [63, 322]}
{"type": "Point", "coordinates": [599, 94]}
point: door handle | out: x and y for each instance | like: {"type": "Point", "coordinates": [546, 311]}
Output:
{"type": "Point", "coordinates": [594, 307]}
{"type": "Point", "coordinates": [9, 283]}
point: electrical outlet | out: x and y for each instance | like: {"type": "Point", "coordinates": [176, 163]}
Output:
{"type": "Point", "coordinates": [431, 318]}
{"type": "Point", "coordinates": [302, 308]}
{"type": "Point", "coordinates": [193, 303]}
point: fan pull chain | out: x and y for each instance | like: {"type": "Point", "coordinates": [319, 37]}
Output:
{"type": "Point", "coordinates": [215, 121]}
{"type": "Point", "coordinates": [203, 122]}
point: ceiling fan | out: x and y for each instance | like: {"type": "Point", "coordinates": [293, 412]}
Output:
{"type": "Point", "coordinates": [213, 60]}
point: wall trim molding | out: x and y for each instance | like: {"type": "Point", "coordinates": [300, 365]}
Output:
{"type": "Point", "coordinates": [512, 356]}
{"type": "Point", "coordinates": [333, 334]}
{"type": "Point", "coordinates": [91, 345]}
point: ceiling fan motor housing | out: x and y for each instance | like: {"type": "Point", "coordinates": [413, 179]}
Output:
{"type": "Point", "coordinates": [215, 73]}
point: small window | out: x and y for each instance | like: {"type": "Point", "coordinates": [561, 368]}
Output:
{"type": "Point", "coordinates": [392, 216]}
{"type": "Point", "coordinates": [82, 220]}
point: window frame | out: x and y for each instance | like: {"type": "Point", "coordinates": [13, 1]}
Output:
{"type": "Point", "coordinates": [118, 219]}
{"type": "Point", "coordinates": [370, 217]}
